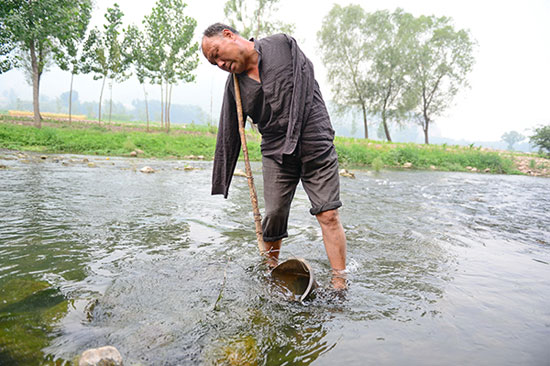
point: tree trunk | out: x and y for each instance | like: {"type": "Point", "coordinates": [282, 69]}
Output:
{"type": "Point", "coordinates": [35, 86]}
{"type": "Point", "coordinates": [110, 99]}
{"type": "Point", "coordinates": [365, 120]}
{"type": "Point", "coordinates": [425, 128]}
{"type": "Point", "coordinates": [386, 129]}
{"type": "Point", "coordinates": [161, 106]}
{"type": "Point", "coordinates": [100, 99]}
{"type": "Point", "coordinates": [71, 98]}
{"type": "Point", "coordinates": [168, 111]}
{"type": "Point", "coordinates": [146, 107]}
{"type": "Point", "coordinates": [166, 106]}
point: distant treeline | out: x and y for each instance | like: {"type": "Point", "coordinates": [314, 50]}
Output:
{"type": "Point", "coordinates": [180, 113]}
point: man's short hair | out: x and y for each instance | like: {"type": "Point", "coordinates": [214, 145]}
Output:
{"type": "Point", "coordinates": [216, 29]}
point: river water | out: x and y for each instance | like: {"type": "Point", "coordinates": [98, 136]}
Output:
{"type": "Point", "coordinates": [444, 268]}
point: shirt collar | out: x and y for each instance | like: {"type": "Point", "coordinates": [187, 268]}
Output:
{"type": "Point", "coordinates": [258, 48]}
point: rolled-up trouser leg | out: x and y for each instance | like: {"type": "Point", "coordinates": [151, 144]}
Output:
{"type": "Point", "coordinates": [321, 182]}
{"type": "Point", "coordinates": [280, 183]}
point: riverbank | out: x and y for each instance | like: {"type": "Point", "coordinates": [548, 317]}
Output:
{"type": "Point", "coordinates": [183, 141]}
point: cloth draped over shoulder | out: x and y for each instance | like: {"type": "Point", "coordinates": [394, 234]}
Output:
{"type": "Point", "coordinates": [304, 94]}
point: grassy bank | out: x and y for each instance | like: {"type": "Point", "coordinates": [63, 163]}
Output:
{"type": "Point", "coordinates": [95, 140]}
{"type": "Point", "coordinates": [360, 152]}
{"type": "Point", "coordinates": [122, 139]}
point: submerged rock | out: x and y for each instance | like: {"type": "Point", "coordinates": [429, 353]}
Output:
{"type": "Point", "coordinates": [147, 169]}
{"type": "Point", "coordinates": [103, 356]}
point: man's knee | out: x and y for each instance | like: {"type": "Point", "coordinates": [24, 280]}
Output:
{"type": "Point", "coordinates": [329, 218]}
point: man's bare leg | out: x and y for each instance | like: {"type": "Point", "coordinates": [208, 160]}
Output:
{"type": "Point", "coordinates": [335, 245]}
{"type": "Point", "coordinates": [272, 249]}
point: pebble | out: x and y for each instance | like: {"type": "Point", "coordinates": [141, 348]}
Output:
{"type": "Point", "coordinates": [147, 169]}
{"type": "Point", "coordinates": [346, 173]}
{"type": "Point", "coordinates": [102, 356]}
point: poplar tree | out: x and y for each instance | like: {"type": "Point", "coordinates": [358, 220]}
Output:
{"type": "Point", "coordinates": [69, 53]}
{"type": "Point", "coordinates": [103, 54]}
{"type": "Point", "coordinates": [135, 48]}
{"type": "Point", "coordinates": [171, 54]}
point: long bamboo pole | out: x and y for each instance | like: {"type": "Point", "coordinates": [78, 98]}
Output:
{"type": "Point", "coordinates": [252, 188]}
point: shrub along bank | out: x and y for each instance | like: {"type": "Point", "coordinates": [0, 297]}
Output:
{"type": "Point", "coordinates": [353, 153]}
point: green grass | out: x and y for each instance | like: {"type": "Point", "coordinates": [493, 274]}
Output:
{"type": "Point", "coordinates": [193, 139]}
{"type": "Point", "coordinates": [360, 152]}
{"type": "Point", "coordinates": [98, 140]}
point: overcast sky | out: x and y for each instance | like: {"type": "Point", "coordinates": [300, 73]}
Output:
{"type": "Point", "coordinates": [510, 84]}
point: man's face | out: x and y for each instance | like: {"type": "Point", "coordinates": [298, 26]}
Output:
{"type": "Point", "coordinates": [224, 51]}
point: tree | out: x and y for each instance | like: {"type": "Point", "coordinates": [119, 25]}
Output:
{"type": "Point", "coordinates": [68, 55]}
{"type": "Point", "coordinates": [254, 18]}
{"type": "Point", "coordinates": [442, 58]}
{"type": "Point", "coordinates": [103, 54]}
{"type": "Point", "coordinates": [135, 48]}
{"type": "Point", "coordinates": [390, 81]}
{"type": "Point", "coordinates": [345, 49]}
{"type": "Point", "coordinates": [118, 64]}
{"type": "Point", "coordinates": [511, 138]}
{"type": "Point", "coordinates": [541, 138]}
{"type": "Point", "coordinates": [170, 52]}
{"type": "Point", "coordinates": [35, 27]}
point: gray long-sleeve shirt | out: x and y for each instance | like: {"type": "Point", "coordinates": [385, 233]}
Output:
{"type": "Point", "coordinates": [287, 106]}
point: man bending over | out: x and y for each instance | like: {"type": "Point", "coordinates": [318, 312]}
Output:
{"type": "Point", "coordinates": [283, 99]}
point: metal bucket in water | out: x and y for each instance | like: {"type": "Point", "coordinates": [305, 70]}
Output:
{"type": "Point", "coordinates": [294, 278]}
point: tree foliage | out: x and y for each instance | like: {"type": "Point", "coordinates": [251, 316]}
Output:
{"type": "Point", "coordinates": [541, 139]}
{"type": "Point", "coordinates": [136, 48]}
{"type": "Point", "coordinates": [511, 137]}
{"type": "Point", "coordinates": [255, 18]}
{"type": "Point", "coordinates": [103, 54]}
{"type": "Point", "coordinates": [394, 66]}
{"type": "Point", "coordinates": [442, 58]}
{"type": "Point", "coordinates": [8, 60]}
{"type": "Point", "coordinates": [68, 53]}
{"type": "Point", "coordinates": [344, 49]}
{"type": "Point", "coordinates": [390, 74]}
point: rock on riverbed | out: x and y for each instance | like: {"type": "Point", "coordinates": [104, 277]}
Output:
{"type": "Point", "coordinates": [103, 356]}
{"type": "Point", "coordinates": [147, 169]}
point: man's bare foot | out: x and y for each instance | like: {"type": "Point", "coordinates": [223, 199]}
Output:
{"type": "Point", "coordinates": [271, 261]}
{"type": "Point", "coordinates": [339, 279]}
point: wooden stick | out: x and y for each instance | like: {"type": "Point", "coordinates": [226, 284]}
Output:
{"type": "Point", "coordinates": [252, 188]}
